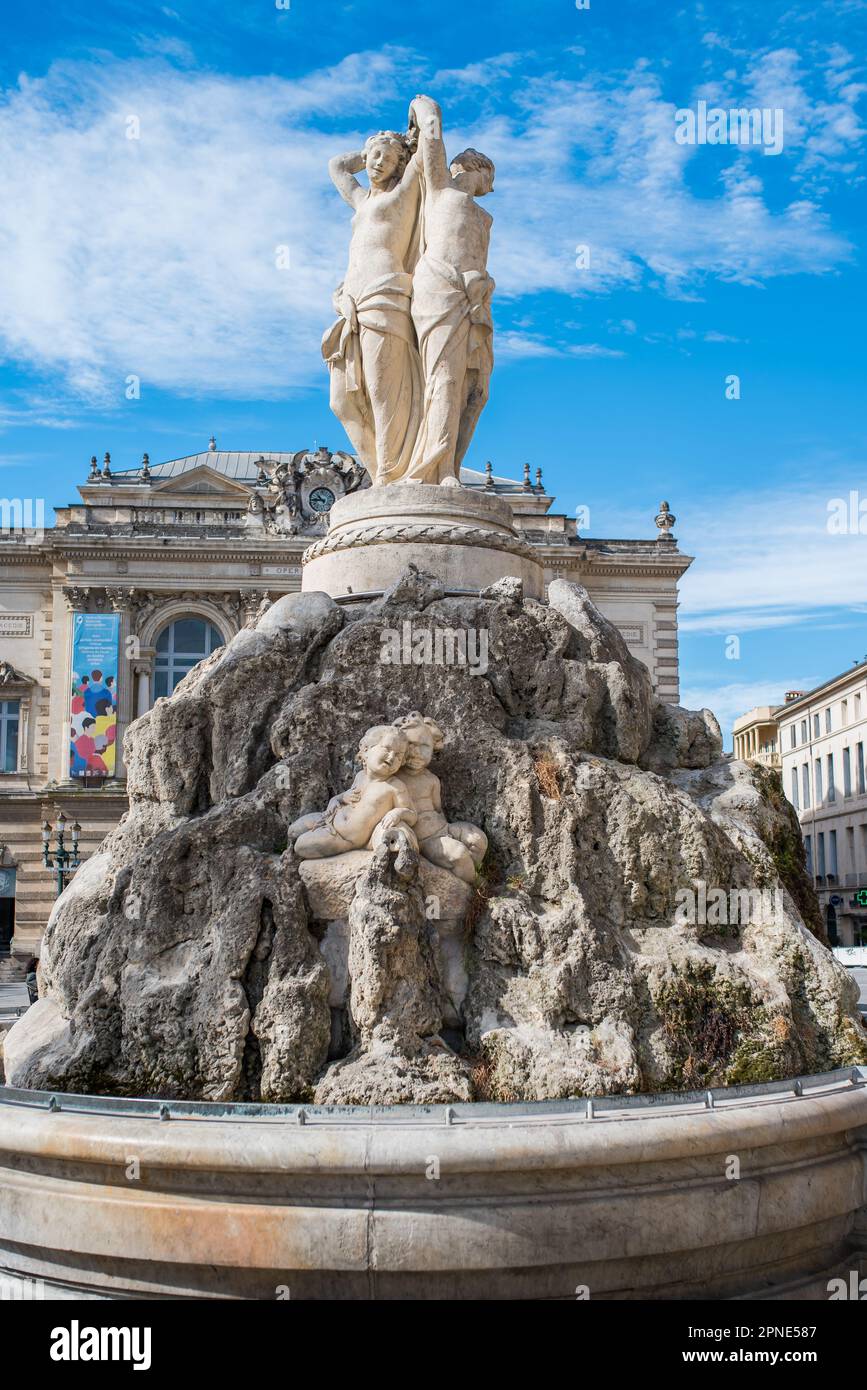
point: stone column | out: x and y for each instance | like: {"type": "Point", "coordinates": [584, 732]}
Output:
{"type": "Point", "coordinates": [143, 671]}
{"type": "Point", "coordinates": [121, 600]}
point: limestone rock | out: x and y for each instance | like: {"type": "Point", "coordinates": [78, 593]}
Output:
{"type": "Point", "coordinates": [410, 592]}
{"type": "Point", "coordinates": [329, 885]}
{"type": "Point", "coordinates": [194, 956]}
{"type": "Point", "coordinates": [509, 591]}
{"type": "Point", "coordinates": [683, 738]}
{"type": "Point", "coordinates": [396, 1006]}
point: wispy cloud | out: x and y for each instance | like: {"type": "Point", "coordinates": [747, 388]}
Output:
{"type": "Point", "coordinates": [730, 701]}
{"type": "Point", "coordinates": [157, 255]}
{"type": "Point", "coordinates": [768, 559]}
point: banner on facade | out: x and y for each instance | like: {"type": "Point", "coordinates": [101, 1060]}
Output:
{"type": "Point", "coordinates": [93, 707]}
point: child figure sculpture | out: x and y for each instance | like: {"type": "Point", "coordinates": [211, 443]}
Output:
{"type": "Point", "coordinates": [377, 802]}
{"type": "Point", "coordinates": [454, 845]}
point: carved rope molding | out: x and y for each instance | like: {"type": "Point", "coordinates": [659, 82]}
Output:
{"type": "Point", "coordinates": [417, 533]}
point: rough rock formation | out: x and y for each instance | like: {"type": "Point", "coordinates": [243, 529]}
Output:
{"type": "Point", "coordinates": [195, 956]}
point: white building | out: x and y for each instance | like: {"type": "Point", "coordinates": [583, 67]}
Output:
{"type": "Point", "coordinates": [818, 740]}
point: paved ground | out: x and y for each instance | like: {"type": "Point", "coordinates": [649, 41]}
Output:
{"type": "Point", "coordinates": [14, 998]}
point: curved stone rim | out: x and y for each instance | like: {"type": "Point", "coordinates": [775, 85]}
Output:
{"type": "Point", "coordinates": [418, 533]}
{"type": "Point", "coordinates": [527, 1205]}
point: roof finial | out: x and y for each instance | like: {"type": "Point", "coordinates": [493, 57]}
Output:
{"type": "Point", "coordinates": [145, 468]}
{"type": "Point", "coordinates": [212, 444]}
{"type": "Point", "coordinates": [665, 521]}
{"type": "Point", "coordinates": [262, 476]}
{"type": "Point", "coordinates": [94, 468]}
{"type": "Point", "coordinates": [539, 487]}
{"type": "Point", "coordinates": [489, 474]}
{"type": "Point", "coordinates": [528, 486]}
{"type": "Point", "coordinates": [106, 467]}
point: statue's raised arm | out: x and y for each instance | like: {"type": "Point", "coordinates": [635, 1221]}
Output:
{"type": "Point", "coordinates": [342, 169]}
{"type": "Point", "coordinates": [426, 118]}
{"type": "Point", "coordinates": [371, 349]}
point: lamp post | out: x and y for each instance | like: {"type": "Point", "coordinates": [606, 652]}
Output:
{"type": "Point", "coordinates": [62, 861]}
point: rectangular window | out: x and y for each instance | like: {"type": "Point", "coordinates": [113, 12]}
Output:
{"type": "Point", "coordinates": [808, 846]}
{"type": "Point", "coordinates": [857, 708]}
{"type": "Point", "coordinates": [850, 850]}
{"type": "Point", "coordinates": [817, 728]}
{"type": "Point", "coordinates": [828, 720]}
{"type": "Point", "coordinates": [847, 772]}
{"type": "Point", "coordinates": [859, 767]}
{"type": "Point", "coordinates": [844, 712]}
{"type": "Point", "coordinates": [820, 839]}
{"type": "Point", "coordinates": [805, 783]}
{"type": "Point", "coordinates": [832, 854]}
{"type": "Point", "coordinates": [804, 733]}
{"type": "Point", "coordinates": [795, 788]}
{"type": "Point", "coordinates": [793, 736]}
{"type": "Point", "coordinates": [10, 721]}
{"type": "Point", "coordinates": [817, 784]}
{"type": "Point", "coordinates": [832, 789]}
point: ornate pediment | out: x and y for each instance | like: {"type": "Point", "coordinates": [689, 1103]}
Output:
{"type": "Point", "coordinates": [11, 678]}
{"type": "Point", "coordinates": [199, 482]}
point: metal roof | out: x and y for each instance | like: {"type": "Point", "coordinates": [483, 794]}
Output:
{"type": "Point", "coordinates": [244, 467]}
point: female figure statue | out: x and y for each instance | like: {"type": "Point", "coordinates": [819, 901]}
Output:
{"type": "Point", "coordinates": [371, 351]}
{"type": "Point", "coordinates": [451, 299]}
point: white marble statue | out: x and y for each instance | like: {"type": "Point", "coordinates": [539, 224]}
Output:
{"type": "Point", "coordinates": [454, 845]}
{"type": "Point", "coordinates": [376, 802]}
{"type": "Point", "coordinates": [451, 299]}
{"type": "Point", "coordinates": [395, 791]}
{"type": "Point", "coordinates": [411, 352]}
{"type": "Point", "coordinates": [371, 350]}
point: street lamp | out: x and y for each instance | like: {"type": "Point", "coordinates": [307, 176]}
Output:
{"type": "Point", "coordinates": [61, 860]}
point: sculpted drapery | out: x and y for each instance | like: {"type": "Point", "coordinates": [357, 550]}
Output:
{"type": "Point", "coordinates": [411, 351]}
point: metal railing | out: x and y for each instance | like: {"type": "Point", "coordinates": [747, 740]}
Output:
{"type": "Point", "coordinates": [583, 1108]}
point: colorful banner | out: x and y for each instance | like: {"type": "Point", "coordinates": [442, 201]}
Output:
{"type": "Point", "coordinates": [93, 708]}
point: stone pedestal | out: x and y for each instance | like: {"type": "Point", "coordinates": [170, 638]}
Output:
{"type": "Point", "coordinates": [466, 539]}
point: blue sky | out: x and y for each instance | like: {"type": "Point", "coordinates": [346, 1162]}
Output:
{"type": "Point", "coordinates": [155, 256]}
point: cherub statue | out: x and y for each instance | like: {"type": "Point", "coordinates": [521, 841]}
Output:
{"type": "Point", "coordinates": [377, 802]}
{"type": "Point", "coordinates": [454, 845]}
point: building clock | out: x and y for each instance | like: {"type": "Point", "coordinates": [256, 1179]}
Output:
{"type": "Point", "coordinates": [321, 499]}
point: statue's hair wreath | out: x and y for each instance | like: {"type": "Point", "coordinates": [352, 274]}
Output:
{"type": "Point", "coordinates": [393, 137]}
{"type": "Point", "coordinates": [416, 718]}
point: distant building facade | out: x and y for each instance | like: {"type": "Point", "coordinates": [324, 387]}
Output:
{"type": "Point", "coordinates": [818, 741]}
{"type": "Point", "coordinates": [162, 564]}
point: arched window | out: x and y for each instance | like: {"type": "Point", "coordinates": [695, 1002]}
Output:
{"type": "Point", "coordinates": [180, 647]}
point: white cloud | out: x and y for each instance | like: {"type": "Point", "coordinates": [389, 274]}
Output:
{"type": "Point", "coordinates": [767, 559]}
{"type": "Point", "coordinates": [735, 698]}
{"type": "Point", "coordinates": [156, 256]}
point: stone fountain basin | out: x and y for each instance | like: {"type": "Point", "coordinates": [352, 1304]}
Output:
{"type": "Point", "coordinates": [616, 1199]}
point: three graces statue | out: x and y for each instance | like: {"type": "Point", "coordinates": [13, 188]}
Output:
{"type": "Point", "coordinates": [411, 352]}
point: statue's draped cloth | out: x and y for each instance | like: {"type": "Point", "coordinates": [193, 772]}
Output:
{"type": "Point", "coordinates": [451, 311]}
{"type": "Point", "coordinates": [376, 385]}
